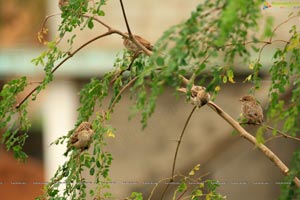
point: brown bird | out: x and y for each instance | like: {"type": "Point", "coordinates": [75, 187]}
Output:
{"type": "Point", "coordinates": [133, 47]}
{"type": "Point", "coordinates": [82, 136]}
{"type": "Point", "coordinates": [252, 110]}
{"type": "Point", "coordinates": [62, 3]}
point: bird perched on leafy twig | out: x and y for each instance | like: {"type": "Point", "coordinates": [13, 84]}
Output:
{"type": "Point", "coordinates": [63, 3]}
{"type": "Point", "coordinates": [131, 46]}
{"type": "Point", "coordinates": [199, 96]}
{"type": "Point", "coordinates": [252, 110]}
{"type": "Point", "coordinates": [82, 136]}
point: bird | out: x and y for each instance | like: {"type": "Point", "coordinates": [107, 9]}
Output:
{"type": "Point", "coordinates": [131, 46]}
{"type": "Point", "coordinates": [251, 110]}
{"type": "Point", "coordinates": [198, 97]}
{"type": "Point", "coordinates": [82, 136]}
{"type": "Point", "coordinates": [62, 3]}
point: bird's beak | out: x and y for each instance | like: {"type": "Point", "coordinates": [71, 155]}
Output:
{"type": "Point", "coordinates": [240, 99]}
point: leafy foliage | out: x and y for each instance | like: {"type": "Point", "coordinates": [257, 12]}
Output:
{"type": "Point", "coordinates": [193, 187]}
{"type": "Point", "coordinates": [14, 119]}
{"type": "Point", "coordinates": [288, 188]}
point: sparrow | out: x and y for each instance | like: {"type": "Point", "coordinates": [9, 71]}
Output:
{"type": "Point", "coordinates": [133, 47]}
{"type": "Point", "coordinates": [82, 136]}
{"type": "Point", "coordinates": [199, 96]}
{"type": "Point", "coordinates": [62, 3]}
{"type": "Point", "coordinates": [252, 110]}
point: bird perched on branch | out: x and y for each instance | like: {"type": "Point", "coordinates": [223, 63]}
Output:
{"type": "Point", "coordinates": [62, 3]}
{"type": "Point", "coordinates": [82, 136]}
{"type": "Point", "coordinates": [131, 46]}
{"type": "Point", "coordinates": [199, 96]}
{"type": "Point", "coordinates": [252, 110]}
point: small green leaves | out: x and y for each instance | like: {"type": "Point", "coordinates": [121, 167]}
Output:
{"type": "Point", "coordinates": [136, 196]}
{"type": "Point", "coordinates": [268, 31]}
{"type": "Point", "coordinates": [92, 171]}
{"type": "Point", "coordinates": [260, 134]}
{"type": "Point", "coordinates": [182, 187]}
{"type": "Point", "coordinates": [230, 75]}
{"type": "Point", "coordinates": [196, 168]}
{"type": "Point", "coordinates": [90, 23]}
{"type": "Point", "coordinates": [288, 188]}
{"type": "Point", "coordinates": [18, 122]}
{"type": "Point", "coordinates": [160, 61]}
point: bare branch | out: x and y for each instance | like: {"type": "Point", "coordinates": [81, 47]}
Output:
{"type": "Point", "coordinates": [147, 52]}
{"type": "Point", "coordinates": [272, 129]}
{"type": "Point", "coordinates": [99, 21]}
{"type": "Point", "coordinates": [126, 21]}
{"type": "Point", "coordinates": [184, 80]}
{"type": "Point", "coordinates": [177, 150]}
{"type": "Point", "coordinates": [156, 185]}
{"type": "Point", "coordinates": [279, 25]}
{"type": "Point", "coordinates": [282, 133]}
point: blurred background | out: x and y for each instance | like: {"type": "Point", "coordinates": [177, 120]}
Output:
{"type": "Point", "coordinates": [140, 157]}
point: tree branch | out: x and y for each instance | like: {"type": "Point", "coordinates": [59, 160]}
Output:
{"type": "Point", "coordinates": [180, 140]}
{"type": "Point", "coordinates": [177, 150]}
{"type": "Point", "coordinates": [126, 21]}
{"type": "Point", "coordinates": [243, 133]}
{"type": "Point", "coordinates": [145, 50]}
{"type": "Point", "coordinates": [272, 129]}
{"type": "Point", "coordinates": [135, 56]}
{"type": "Point", "coordinates": [64, 60]}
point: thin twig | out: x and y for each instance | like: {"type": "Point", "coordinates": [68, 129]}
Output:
{"type": "Point", "coordinates": [126, 69]}
{"type": "Point", "coordinates": [275, 29]}
{"type": "Point", "coordinates": [180, 140]}
{"type": "Point", "coordinates": [48, 17]}
{"type": "Point", "coordinates": [272, 138]}
{"type": "Point", "coordinates": [121, 91]}
{"type": "Point", "coordinates": [272, 129]}
{"type": "Point", "coordinates": [193, 77]}
{"type": "Point", "coordinates": [126, 21]}
{"type": "Point", "coordinates": [243, 133]}
{"type": "Point", "coordinates": [177, 150]}
{"type": "Point", "coordinates": [181, 195]}
{"type": "Point", "coordinates": [145, 50]}
{"type": "Point", "coordinates": [99, 21]}
{"type": "Point", "coordinates": [184, 80]}
{"type": "Point", "coordinates": [156, 185]}
{"type": "Point", "coordinates": [281, 133]}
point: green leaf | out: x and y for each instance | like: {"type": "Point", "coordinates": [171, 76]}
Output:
{"type": "Point", "coordinates": [230, 75]}
{"type": "Point", "coordinates": [160, 61]}
{"type": "Point", "coordinates": [182, 187]}
{"type": "Point", "coordinates": [92, 171]}
{"type": "Point", "coordinates": [136, 196]}
{"type": "Point", "coordinates": [260, 134]}
{"type": "Point", "coordinates": [224, 79]}
{"type": "Point", "coordinates": [90, 24]}
{"type": "Point", "coordinates": [268, 31]}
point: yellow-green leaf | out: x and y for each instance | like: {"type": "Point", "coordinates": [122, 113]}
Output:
{"type": "Point", "coordinates": [217, 88]}
{"type": "Point", "coordinates": [230, 76]}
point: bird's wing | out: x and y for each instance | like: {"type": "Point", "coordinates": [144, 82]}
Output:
{"type": "Point", "coordinates": [144, 42]}
{"type": "Point", "coordinates": [74, 137]}
{"type": "Point", "coordinates": [83, 126]}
